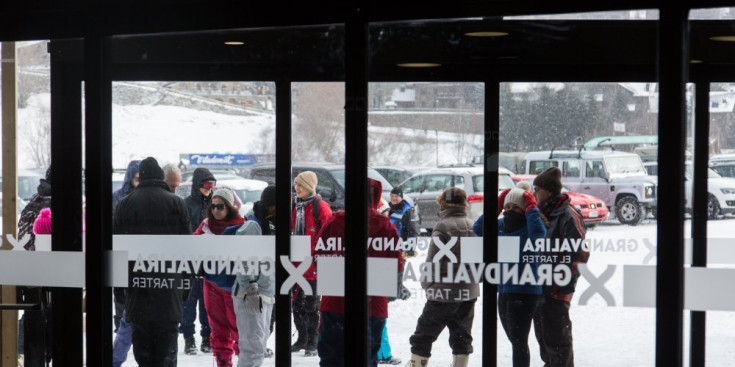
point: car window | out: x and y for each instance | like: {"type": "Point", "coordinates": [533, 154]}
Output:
{"type": "Point", "coordinates": [27, 186]}
{"type": "Point", "coordinates": [570, 169]}
{"type": "Point", "coordinates": [505, 182]}
{"type": "Point", "coordinates": [413, 185]}
{"type": "Point", "coordinates": [536, 167]}
{"type": "Point", "coordinates": [459, 182]}
{"type": "Point", "coordinates": [249, 196]}
{"type": "Point", "coordinates": [595, 169]}
{"type": "Point", "coordinates": [437, 182]}
{"type": "Point", "coordinates": [478, 182]}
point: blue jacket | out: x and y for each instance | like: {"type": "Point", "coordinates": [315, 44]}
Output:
{"type": "Point", "coordinates": [535, 228]}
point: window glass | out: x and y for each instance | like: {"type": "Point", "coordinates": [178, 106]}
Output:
{"type": "Point", "coordinates": [537, 167]}
{"type": "Point", "coordinates": [570, 169]}
{"type": "Point", "coordinates": [596, 169]}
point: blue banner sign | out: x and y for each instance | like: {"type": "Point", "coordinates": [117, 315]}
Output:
{"type": "Point", "coordinates": [216, 159]}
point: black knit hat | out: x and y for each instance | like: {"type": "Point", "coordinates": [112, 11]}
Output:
{"type": "Point", "coordinates": [150, 170]}
{"type": "Point", "coordinates": [549, 180]}
{"type": "Point", "coordinates": [268, 196]}
{"type": "Point", "coordinates": [397, 191]}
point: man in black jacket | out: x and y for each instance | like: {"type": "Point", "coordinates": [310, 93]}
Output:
{"type": "Point", "coordinates": [152, 309]}
{"type": "Point", "coordinates": [551, 322]}
{"type": "Point", "coordinates": [202, 184]}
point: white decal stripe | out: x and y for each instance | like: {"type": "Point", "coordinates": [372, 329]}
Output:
{"type": "Point", "coordinates": [42, 268]}
{"type": "Point", "coordinates": [709, 289]}
{"type": "Point", "coordinates": [639, 286]}
{"type": "Point", "coordinates": [382, 276]}
{"type": "Point", "coordinates": [508, 249]}
{"type": "Point", "coordinates": [188, 247]}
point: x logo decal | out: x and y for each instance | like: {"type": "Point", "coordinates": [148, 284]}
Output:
{"type": "Point", "coordinates": [597, 285]}
{"type": "Point", "coordinates": [445, 249]}
{"type": "Point", "coordinates": [296, 275]}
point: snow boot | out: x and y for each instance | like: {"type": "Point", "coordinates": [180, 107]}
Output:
{"type": "Point", "coordinates": [268, 353]}
{"type": "Point", "coordinates": [190, 346]}
{"type": "Point", "coordinates": [299, 345]}
{"type": "Point", "coordinates": [418, 361]}
{"type": "Point", "coordinates": [390, 360]}
{"type": "Point", "coordinates": [222, 361]}
{"type": "Point", "coordinates": [460, 360]}
{"type": "Point", "coordinates": [206, 348]}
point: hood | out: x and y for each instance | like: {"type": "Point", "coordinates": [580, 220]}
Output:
{"type": "Point", "coordinates": [716, 183]}
{"type": "Point", "coordinates": [634, 179]}
{"type": "Point", "coordinates": [200, 176]}
{"type": "Point", "coordinates": [129, 174]}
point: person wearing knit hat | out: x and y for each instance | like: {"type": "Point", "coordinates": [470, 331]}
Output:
{"type": "Point", "coordinates": [525, 185]}
{"type": "Point", "coordinates": [307, 180]}
{"type": "Point", "coordinates": [308, 214]}
{"type": "Point", "coordinates": [551, 321]}
{"type": "Point", "coordinates": [227, 194]}
{"type": "Point", "coordinates": [517, 301]}
{"type": "Point", "coordinates": [42, 225]}
{"type": "Point", "coordinates": [150, 170]}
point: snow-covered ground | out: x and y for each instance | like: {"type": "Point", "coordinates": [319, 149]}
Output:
{"type": "Point", "coordinates": [603, 335]}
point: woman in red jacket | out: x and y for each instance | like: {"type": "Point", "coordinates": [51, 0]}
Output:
{"type": "Point", "coordinates": [307, 217]}
{"type": "Point", "coordinates": [218, 287]}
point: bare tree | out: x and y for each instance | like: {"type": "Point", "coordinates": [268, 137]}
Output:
{"type": "Point", "coordinates": [35, 133]}
{"type": "Point", "coordinates": [319, 123]}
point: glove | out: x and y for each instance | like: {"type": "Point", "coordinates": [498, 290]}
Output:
{"type": "Point", "coordinates": [501, 200]}
{"type": "Point", "coordinates": [530, 201]}
{"type": "Point", "coordinates": [253, 302]}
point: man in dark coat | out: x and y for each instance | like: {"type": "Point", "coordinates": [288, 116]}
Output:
{"type": "Point", "coordinates": [130, 182]}
{"type": "Point", "coordinates": [202, 184]}
{"type": "Point", "coordinates": [551, 321]}
{"type": "Point", "coordinates": [152, 309]}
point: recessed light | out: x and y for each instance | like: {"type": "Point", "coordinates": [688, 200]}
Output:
{"type": "Point", "coordinates": [723, 38]}
{"type": "Point", "coordinates": [486, 34]}
{"type": "Point", "coordinates": [234, 43]}
{"type": "Point", "coordinates": [694, 61]}
{"type": "Point", "coordinates": [419, 64]}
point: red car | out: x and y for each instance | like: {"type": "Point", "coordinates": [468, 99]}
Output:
{"type": "Point", "coordinates": [593, 208]}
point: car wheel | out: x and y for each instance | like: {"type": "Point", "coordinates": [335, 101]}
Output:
{"type": "Point", "coordinates": [713, 207]}
{"type": "Point", "coordinates": [629, 211]}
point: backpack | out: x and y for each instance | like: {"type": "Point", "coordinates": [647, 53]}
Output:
{"type": "Point", "coordinates": [315, 212]}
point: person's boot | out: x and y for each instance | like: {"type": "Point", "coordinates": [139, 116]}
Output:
{"type": "Point", "coordinates": [310, 347]}
{"type": "Point", "coordinates": [222, 361]}
{"type": "Point", "coordinates": [190, 346]}
{"type": "Point", "coordinates": [418, 361]}
{"type": "Point", "coordinates": [460, 360]}
{"type": "Point", "coordinates": [299, 345]}
{"type": "Point", "coordinates": [206, 348]}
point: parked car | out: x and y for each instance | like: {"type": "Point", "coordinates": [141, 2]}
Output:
{"type": "Point", "coordinates": [618, 178]}
{"type": "Point", "coordinates": [397, 174]}
{"type": "Point", "coordinates": [219, 174]}
{"type": "Point", "coordinates": [723, 164]}
{"type": "Point", "coordinates": [331, 180]}
{"type": "Point", "coordinates": [425, 186]}
{"type": "Point", "coordinates": [246, 191]}
{"type": "Point", "coordinates": [27, 183]}
{"type": "Point", "coordinates": [593, 209]}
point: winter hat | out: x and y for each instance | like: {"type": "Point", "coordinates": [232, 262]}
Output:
{"type": "Point", "coordinates": [397, 191]}
{"type": "Point", "coordinates": [268, 196]}
{"type": "Point", "coordinates": [375, 191]}
{"type": "Point", "coordinates": [226, 194]}
{"type": "Point", "coordinates": [42, 225]}
{"type": "Point", "coordinates": [515, 196]}
{"type": "Point", "coordinates": [452, 197]}
{"type": "Point", "coordinates": [307, 180]}
{"type": "Point", "coordinates": [150, 170]}
{"type": "Point", "coordinates": [524, 185]}
{"type": "Point", "coordinates": [549, 180]}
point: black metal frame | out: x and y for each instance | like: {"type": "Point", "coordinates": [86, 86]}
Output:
{"type": "Point", "coordinates": [98, 22]}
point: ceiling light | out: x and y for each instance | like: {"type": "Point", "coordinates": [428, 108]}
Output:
{"type": "Point", "coordinates": [694, 61]}
{"type": "Point", "coordinates": [723, 38]}
{"type": "Point", "coordinates": [486, 34]}
{"type": "Point", "coordinates": [234, 43]}
{"type": "Point", "coordinates": [419, 65]}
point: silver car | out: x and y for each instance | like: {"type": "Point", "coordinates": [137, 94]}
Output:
{"type": "Point", "coordinates": [425, 186]}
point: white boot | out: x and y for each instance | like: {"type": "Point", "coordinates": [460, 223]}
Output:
{"type": "Point", "coordinates": [460, 360]}
{"type": "Point", "coordinates": [418, 361]}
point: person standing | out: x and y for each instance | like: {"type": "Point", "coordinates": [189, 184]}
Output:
{"type": "Point", "coordinates": [450, 305]}
{"type": "Point", "coordinates": [130, 182]}
{"type": "Point", "coordinates": [309, 213]}
{"type": "Point", "coordinates": [197, 203]}
{"type": "Point", "coordinates": [152, 312]}
{"type": "Point", "coordinates": [331, 343]}
{"type": "Point", "coordinates": [34, 332]}
{"type": "Point", "coordinates": [517, 302]}
{"type": "Point", "coordinates": [254, 295]}
{"type": "Point", "coordinates": [551, 322]}
{"type": "Point", "coordinates": [400, 215]}
{"type": "Point", "coordinates": [218, 286]}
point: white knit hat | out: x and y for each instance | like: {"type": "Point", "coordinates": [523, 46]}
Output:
{"type": "Point", "coordinates": [226, 194]}
{"type": "Point", "coordinates": [515, 196]}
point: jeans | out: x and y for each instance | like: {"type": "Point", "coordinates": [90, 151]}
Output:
{"type": "Point", "coordinates": [553, 330]}
{"type": "Point", "coordinates": [456, 316]}
{"type": "Point", "coordinates": [331, 345]}
{"type": "Point", "coordinates": [196, 296]}
{"type": "Point", "coordinates": [516, 314]}
{"type": "Point", "coordinates": [122, 343]}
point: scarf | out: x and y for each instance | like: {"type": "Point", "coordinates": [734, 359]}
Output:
{"type": "Point", "coordinates": [513, 221]}
{"type": "Point", "coordinates": [219, 226]}
{"type": "Point", "coordinates": [300, 226]}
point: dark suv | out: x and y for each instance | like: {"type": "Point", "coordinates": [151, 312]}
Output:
{"type": "Point", "coordinates": [331, 180]}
